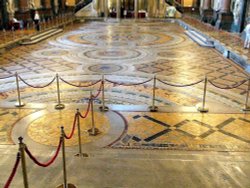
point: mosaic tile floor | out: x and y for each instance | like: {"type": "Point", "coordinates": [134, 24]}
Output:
{"type": "Point", "coordinates": [138, 50]}
{"type": "Point", "coordinates": [186, 131]}
{"type": "Point", "coordinates": [131, 53]}
{"type": "Point", "coordinates": [46, 129]}
{"type": "Point", "coordinates": [8, 119]}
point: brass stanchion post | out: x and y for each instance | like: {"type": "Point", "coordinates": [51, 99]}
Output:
{"type": "Point", "coordinates": [80, 154]}
{"type": "Point", "coordinates": [64, 159]}
{"type": "Point", "coordinates": [59, 105]}
{"type": "Point", "coordinates": [65, 183]}
{"type": "Point", "coordinates": [93, 131]}
{"type": "Point", "coordinates": [247, 108]}
{"type": "Point", "coordinates": [22, 152]}
{"type": "Point", "coordinates": [19, 103]}
{"type": "Point", "coordinates": [153, 108]}
{"type": "Point", "coordinates": [103, 107]}
{"type": "Point", "coordinates": [203, 108]}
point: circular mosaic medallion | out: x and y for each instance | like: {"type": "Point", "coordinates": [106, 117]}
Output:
{"type": "Point", "coordinates": [112, 54]}
{"type": "Point", "coordinates": [174, 55]}
{"type": "Point", "coordinates": [46, 129]}
{"type": "Point", "coordinates": [120, 36]}
{"type": "Point", "coordinates": [105, 68]}
{"type": "Point", "coordinates": [54, 52]}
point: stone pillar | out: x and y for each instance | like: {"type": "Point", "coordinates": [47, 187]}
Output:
{"type": "Point", "coordinates": [47, 4]}
{"type": "Point", "coordinates": [106, 9]}
{"type": "Point", "coordinates": [225, 6]}
{"type": "Point", "coordinates": [118, 9]}
{"type": "Point", "coordinates": [56, 7]}
{"type": "Point", "coordinates": [101, 8]}
{"type": "Point", "coordinates": [4, 14]}
{"type": "Point", "coordinates": [136, 9]}
{"type": "Point", "coordinates": [207, 4]}
{"type": "Point", "coordinates": [152, 8]}
{"type": "Point", "coordinates": [225, 17]}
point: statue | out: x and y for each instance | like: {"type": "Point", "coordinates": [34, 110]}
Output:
{"type": "Point", "coordinates": [32, 4]}
{"type": "Point", "coordinates": [171, 10]}
{"type": "Point", "coordinates": [247, 40]}
{"type": "Point", "coordinates": [217, 5]}
{"type": "Point", "coordinates": [10, 7]}
{"type": "Point", "coordinates": [237, 11]}
{"type": "Point", "coordinates": [94, 5]}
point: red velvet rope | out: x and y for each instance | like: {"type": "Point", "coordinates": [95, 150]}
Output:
{"type": "Point", "coordinates": [37, 86]}
{"type": "Point", "coordinates": [99, 91]}
{"type": "Point", "coordinates": [79, 85]}
{"type": "Point", "coordinates": [47, 163]}
{"type": "Point", "coordinates": [6, 77]}
{"type": "Point", "coordinates": [176, 85]}
{"type": "Point", "coordinates": [113, 82]}
{"type": "Point", "coordinates": [13, 172]}
{"type": "Point", "coordinates": [228, 87]}
{"type": "Point", "coordinates": [73, 129]}
{"type": "Point", "coordinates": [86, 114]}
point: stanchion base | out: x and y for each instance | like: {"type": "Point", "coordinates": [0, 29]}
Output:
{"type": "Point", "coordinates": [81, 155]}
{"type": "Point", "coordinates": [21, 104]}
{"type": "Point", "coordinates": [96, 132]}
{"type": "Point", "coordinates": [202, 110]}
{"type": "Point", "coordinates": [104, 109]}
{"type": "Point", "coordinates": [69, 186]}
{"type": "Point", "coordinates": [59, 106]}
{"type": "Point", "coordinates": [153, 108]}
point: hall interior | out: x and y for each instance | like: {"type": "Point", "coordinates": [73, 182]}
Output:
{"type": "Point", "coordinates": [118, 93]}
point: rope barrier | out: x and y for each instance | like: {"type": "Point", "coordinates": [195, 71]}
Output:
{"type": "Point", "coordinates": [117, 83]}
{"type": "Point", "coordinates": [176, 85]}
{"type": "Point", "coordinates": [228, 87]}
{"type": "Point", "coordinates": [99, 91]}
{"type": "Point", "coordinates": [79, 85]}
{"type": "Point", "coordinates": [47, 163]}
{"type": "Point", "coordinates": [37, 86]}
{"type": "Point", "coordinates": [73, 129]}
{"type": "Point", "coordinates": [1, 78]}
{"type": "Point", "coordinates": [86, 114]}
{"type": "Point", "coordinates": [13, 172]}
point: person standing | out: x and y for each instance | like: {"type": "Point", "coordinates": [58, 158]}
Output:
{"type": "Point", "coordinates": [247, 39]}
{"type": "Point", "coordinates": [37, 20]}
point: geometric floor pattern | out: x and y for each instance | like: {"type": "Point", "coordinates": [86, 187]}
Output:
{"type": "Point", "coordinates": [142, 49]}
{"type": "Point", "coordinates": [46, 129]}
{"type": "Point", "coordinates": [128, 52]}
{"type": "Point", "coordinates": [187, 131]}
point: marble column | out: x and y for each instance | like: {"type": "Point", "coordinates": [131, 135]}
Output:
{"type": "Point", "coordinates": [47, 4]}
{"type": "Point", "coordinates": [152, 8]}
{"type": "Point", "coordinates": [118, 9]}
{"type": "Point", "coordinates": [225, 6]}
{"type": "Point", "coordinates": [4, 14]}
{"type": "Point", "coordinates": [136, 9]}
{"type": "Point", "coordinates": [101, 8]}
{"type": "Point", "coordinates": [106, 9]}
{"type": "Point", "coordinates": [206, 4]}
{"type": "Point", "coordinates": [23, 5]}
